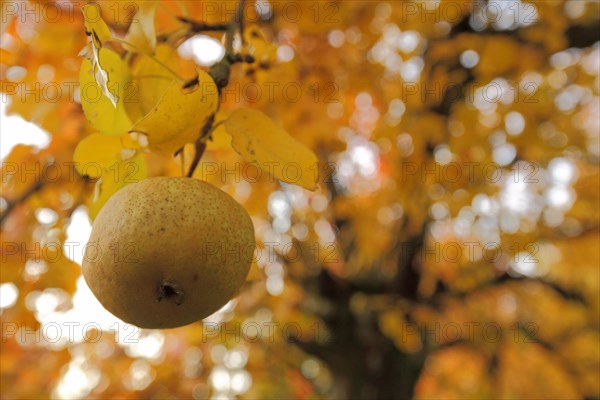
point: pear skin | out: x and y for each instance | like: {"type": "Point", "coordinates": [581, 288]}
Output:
{"type": "Point", "coordinates": [168, 251]}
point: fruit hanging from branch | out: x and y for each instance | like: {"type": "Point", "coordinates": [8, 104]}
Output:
{"type": "Point", "coordinates": [168, 251]}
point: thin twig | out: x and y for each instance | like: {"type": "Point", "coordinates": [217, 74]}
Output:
{"type": "Point", "coordinates": [198, 26]}
{"type": "Point", "coordinates": [219, 72]}
{"type": "Point", "coordinates": [200, 145]}
{"type": "Point", "coordinates": [240, 20]}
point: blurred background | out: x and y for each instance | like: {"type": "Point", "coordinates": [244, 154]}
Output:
{"type": "Point", "coordinates": [451, 250]}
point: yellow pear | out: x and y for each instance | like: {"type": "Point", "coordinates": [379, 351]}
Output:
{"type": "Point", "coordinates": [168, 251]}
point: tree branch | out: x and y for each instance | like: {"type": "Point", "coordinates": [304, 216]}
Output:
{"type": "Point", "coordinates": [201, 145]}
{"type": "Point", "coordinates": [219, 72]}
{"type": "Point", "coordinates": [13, 203]}
{"type": "Point", "coordinates": [198, 26]}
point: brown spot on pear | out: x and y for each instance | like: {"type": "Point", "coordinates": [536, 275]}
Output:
{"type": "Point", "coordinates": [189, 271]}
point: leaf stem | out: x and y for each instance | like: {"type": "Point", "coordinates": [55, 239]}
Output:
{"type": "Point", "coordinates": [200, 144]}
{"type": "Point", "coordinates": [219, 72]}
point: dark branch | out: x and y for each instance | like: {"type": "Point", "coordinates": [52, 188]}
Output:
{"type": "Point", "coordinates": [11, 204]}
{"type": "Point", "coordinates": [201, 145]}
{"type": "Point", "coordinates": [198, 26]}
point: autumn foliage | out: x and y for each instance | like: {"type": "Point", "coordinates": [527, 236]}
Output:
{"type": "Point", "coordinates": [422, 177]}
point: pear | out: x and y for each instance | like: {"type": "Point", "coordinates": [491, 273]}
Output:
{"type": "Point", "coordinates": [168, 251]}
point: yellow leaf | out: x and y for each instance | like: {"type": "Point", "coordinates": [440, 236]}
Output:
{"type": "Point", "coordinates": [141, 36]}
{"type": "Point", "coordinates": [179, 115]}
{"type": "Point", "coordinates": [97, 107]}
{"type": "Point", "coordinates": [151, 80]}
{"type": "Point", "coordinates": [95, 27]}
{"type": "Point", "coordinates": [259, 140]}
{"type": "Point", "coordinates": [98, 32]}
{"type": "Point", "coordinates": [219, 138]}
{"type": "Point", "coordinates": [118, 175]}
{"type": "Point", "coordinates": [96, 153]}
